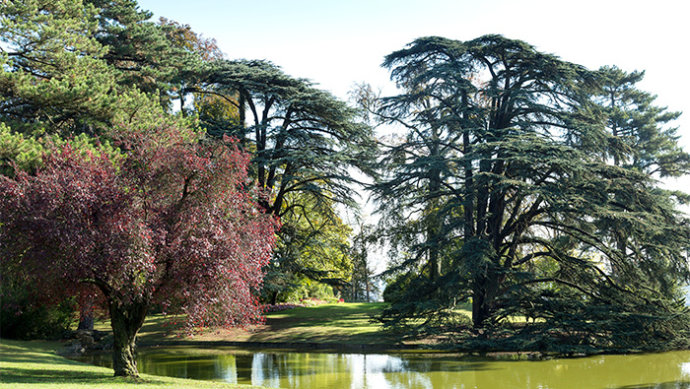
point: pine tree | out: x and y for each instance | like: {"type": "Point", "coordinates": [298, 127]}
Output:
{"type": "Point", "coordinates": [525, 176]}
{"type": "Point", "coordinates": [305, 143]}
{"type": "Point", "coordinates": [637, 138]}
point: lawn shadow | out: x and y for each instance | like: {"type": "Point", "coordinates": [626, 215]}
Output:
{"type": "Point", "coordinates": [67, 377]}
{"type": "Point", "coordinates": [21, 358]}
{"type": "Point", "coordinates": [38, 376]}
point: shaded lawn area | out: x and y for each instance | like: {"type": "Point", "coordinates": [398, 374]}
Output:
{"type": "Point", "coordinates": [339, 323]}
{"type": "Point", "coordinates": [34, 364]}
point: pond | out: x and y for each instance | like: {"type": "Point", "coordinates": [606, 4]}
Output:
{"type": "Point", "coordinates": [304, 370]}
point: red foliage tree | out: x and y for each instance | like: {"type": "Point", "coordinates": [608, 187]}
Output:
{"type": "Point", "coordinates": [174, 223]}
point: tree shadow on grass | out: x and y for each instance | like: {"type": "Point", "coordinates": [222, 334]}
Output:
{"type": "Point", "coordinates": [317, 334]}
{"type": "Point", "coordinates": [66, 377]}
{"type": "Point", "coordinates": [32, 376]}
{"type": "Point", "coordinates": [23, 358]}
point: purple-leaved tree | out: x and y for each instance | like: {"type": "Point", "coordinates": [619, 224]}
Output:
{"type": "Point", "coordinates": [175, 222]}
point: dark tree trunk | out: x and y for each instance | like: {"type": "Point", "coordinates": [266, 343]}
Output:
{"type": "Point", "coordinates": [242, 109]}
{"type": "Point", "coordinates": [480, 310]}
{"type": "Point", "coordinates": [182, 111]}
{"type": "Point", "coordinates": [483, 295]}
{"type": "Point", "coordinates": [126, 320]}
{"type": "Point", "coordinates": [434, 227]}
{"type": "Point", "coordinates": [367, 283]}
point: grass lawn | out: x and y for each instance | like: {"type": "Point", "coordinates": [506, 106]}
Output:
{"type": "Point", "coordinates": [328, 323]}
{"type": "Point", "coordinates": [34, 364]}
{"type": "Point", "coordinates": [339, 323]}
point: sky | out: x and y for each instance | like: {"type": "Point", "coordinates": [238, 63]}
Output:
{"type": "Point", "coordinates": [338, 44]}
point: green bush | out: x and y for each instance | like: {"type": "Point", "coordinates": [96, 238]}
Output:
{"type": "Point", "coordinates": [396, 287]}
{"type": "Point", "coordinates": [304, 288]}
{"type": "Point", "coordinates": [22, 316]}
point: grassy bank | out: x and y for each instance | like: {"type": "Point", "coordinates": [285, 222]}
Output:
{"type": "Point", "coordinates": [340, 323]}
{"type": "Point", "coordinates": [31, 364]}
{"type": "Point", "coordinates": [328, 323]}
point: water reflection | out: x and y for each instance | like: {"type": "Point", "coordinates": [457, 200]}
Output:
{"type": "Point", "coordinates": [398, 371]}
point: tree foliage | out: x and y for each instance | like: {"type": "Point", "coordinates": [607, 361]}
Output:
{"type": "Point", "coordinates": [507, 173]}
{"type": "Point", "coordinates": [174, 224]}
{"type": "Point", "coordinates": [305, 143]}
{"type": "Point", "coordinates": [523, 183]}
{"type": "Point", "coordinates": [639, 138]}
{"type": "Point", "coordinates": [362, 286]}
{"type": "Point", "coordinates": [313, 243]}
{"type": "Point", "coordinates": [55, 74]}
{"type": "Point", "coordinates": [138, 206]}
{"type": "Point", "coordinates": [158, 58]}
{"type": "Point", "coordinates": [304, 139]}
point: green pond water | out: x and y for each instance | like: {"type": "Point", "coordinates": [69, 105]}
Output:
{"type": "Point", "coordinates": [413, 370]}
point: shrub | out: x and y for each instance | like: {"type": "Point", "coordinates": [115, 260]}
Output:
{"type": "Point", "coordinates": [24, 316]}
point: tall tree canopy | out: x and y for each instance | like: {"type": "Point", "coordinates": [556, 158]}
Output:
{"type": "Point", "coordinates": [159, 58]}
{"type": "Point", "coordinates": [638, 139]}
{"type": "Point", "coordinates": [304, 141]}
{"type": "Point", "coordinates": [505, 177]}
{"type": "Point", "coordinates": [57, 73]}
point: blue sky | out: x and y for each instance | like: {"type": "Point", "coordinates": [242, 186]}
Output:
{"type": "Point", "coordinates": [339, 43]}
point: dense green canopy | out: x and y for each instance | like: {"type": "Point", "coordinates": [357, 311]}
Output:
{"type": "Point", "coordinates": [304, 138]}
{"type": "Point", "coordinates": [58, 70]}
{"type": "Point", "coordinates": [513, 183]}
{"type": "Point", "coordinates": [305, 144]}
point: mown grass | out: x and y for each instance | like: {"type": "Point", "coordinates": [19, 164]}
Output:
{"type": "Point", "coordinates": [328, 323]}
{"type": "Point", "coordinates": [340, 323]}
{"type": "Point", "coordinates": [35, 364]}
